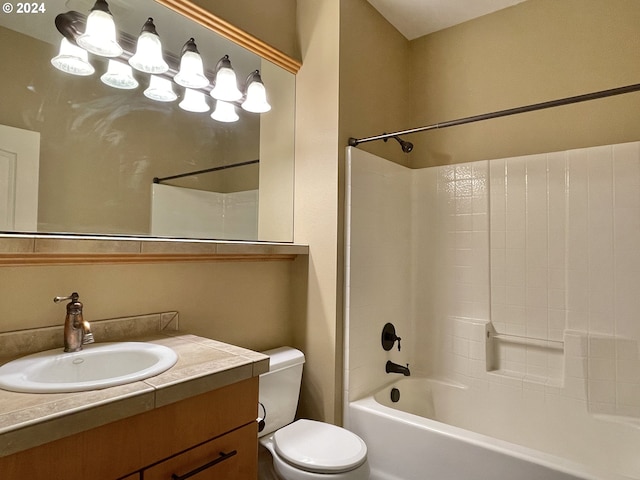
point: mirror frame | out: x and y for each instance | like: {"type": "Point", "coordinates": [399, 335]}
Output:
{"type": "Point", "coordinates": [55, 249]}
{"type": "Point", "coordinates": [230, 32]}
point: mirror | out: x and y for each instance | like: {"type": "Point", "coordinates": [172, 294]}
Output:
{"type": "Point", "coordinates": [79, 156]}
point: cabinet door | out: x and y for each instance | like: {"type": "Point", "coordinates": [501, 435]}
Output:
{"type": "Point", "coordinates": [231, 456]}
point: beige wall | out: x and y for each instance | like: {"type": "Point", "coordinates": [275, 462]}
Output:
{"type": "Point", "coordinates": [375, 79]}
{"type": "Point", "coordinates": [536, 51]}
{"type": "Point", "coordinates": [339, 94]}
{"type": "Point", "coordinates": [246, 303]}
{"type": "Point", "coordinates": [316, 205]}
{"type": "Point", "coordinates": [272, 21]}
{"type": "Point", "coordinates": [277, 144]}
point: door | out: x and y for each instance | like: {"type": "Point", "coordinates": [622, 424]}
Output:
{"type": "Point", "coordinates": [19, 168]}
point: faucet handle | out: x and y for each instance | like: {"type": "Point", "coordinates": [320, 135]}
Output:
{"type": "Point", "coordinates": [73, 297]}
{"type": "Point", "coordinates": [389, 337]}
{"type": "Point", "coordinates": [74, 306]}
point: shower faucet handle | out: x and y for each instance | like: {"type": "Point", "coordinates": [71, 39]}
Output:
{"type": "Point", "coordinates": [389, 337]}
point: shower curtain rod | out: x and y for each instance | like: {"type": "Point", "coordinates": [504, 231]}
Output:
{"type": "Point", "coordinates": [206, 170]}
{"type": "Point", "coordinates": [353, 142]}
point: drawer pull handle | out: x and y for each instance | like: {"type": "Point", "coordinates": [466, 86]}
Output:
{"type": "Point", "coordinates": [223, 456]}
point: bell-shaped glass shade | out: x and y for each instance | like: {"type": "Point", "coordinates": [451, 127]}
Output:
{"type": "Point", "coordinates": [194, 101]}
{"type": "Point", "coordinates": [225, 112]}
{"type": "Point", "coordinates": [148, 56]}
{"type": "Point", "coordinates": [72, 59]}
{"type": "Point", "coordinates": [160, 90]}
{"type": "Point", "coordinates": [191, 74]}
{"type": "Point", "coordinates": [256, 100]}
{"type": "Point", "coordinates": [225, 85]}
{"type": "Point", "coordinates": [119, 75]}
{"type": "Point", "coordinates": [99, 37]}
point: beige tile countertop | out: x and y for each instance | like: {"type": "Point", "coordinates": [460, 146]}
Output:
{"type": "Point", "coordinates": [29, 419]}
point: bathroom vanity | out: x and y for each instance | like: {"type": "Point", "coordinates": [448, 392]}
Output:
{"type": "Point", "coordinates": [200, 415]}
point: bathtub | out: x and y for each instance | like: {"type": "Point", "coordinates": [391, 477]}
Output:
{"type": "Point", "coordinates": [442, 430]}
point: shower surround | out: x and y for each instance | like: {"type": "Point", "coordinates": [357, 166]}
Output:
{"type": "Point", "coordinates": [516, 278]}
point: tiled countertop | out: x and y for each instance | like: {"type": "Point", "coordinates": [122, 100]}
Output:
{"type": "Point", "coordinates": [28, 420]}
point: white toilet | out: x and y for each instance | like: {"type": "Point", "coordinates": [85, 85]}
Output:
{"type": "Point", "coordinates": [304, 449]}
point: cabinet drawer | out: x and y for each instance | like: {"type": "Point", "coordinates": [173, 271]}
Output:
{"type": "Point", "coordinates": [231, 456]}
{"type": "Point", "coordinates": [139, 441]}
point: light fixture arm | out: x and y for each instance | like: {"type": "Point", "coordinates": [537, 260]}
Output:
{"type": "Point", "coordinates": [149, 27]}
{"type": "Point", "coordinates": [224, 62]}
{"type": "Point", "coordinates": [253, 77]}
{"type": "Point", "coordinates": [190, 46]}
{"type": "Point", "coordinates": [71, 25]}
{"type": "Point", "coordinates": [102, 6]}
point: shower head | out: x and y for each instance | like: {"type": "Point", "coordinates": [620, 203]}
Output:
{"type": "Point", "coordinates": [406, 146]}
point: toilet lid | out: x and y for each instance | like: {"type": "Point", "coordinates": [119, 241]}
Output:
{"type": "Point", "coordinates": [319, 447]}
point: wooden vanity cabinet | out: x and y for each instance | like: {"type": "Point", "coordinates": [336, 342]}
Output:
{"type": "Point", "coordinates": [175, 439]}
{"type": "Point", "coordinates": [225, 457]}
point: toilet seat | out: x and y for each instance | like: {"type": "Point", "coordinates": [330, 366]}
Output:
{"type": "Point", "coordinates": [319, 447]}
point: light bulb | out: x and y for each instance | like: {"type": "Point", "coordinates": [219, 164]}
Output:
{"type": "Point", "coordinates": [226, 85]}
{"type": "Point", "coordinates": [119, 75]}
{"type": "Point", "coordinates": [225, 112]}
{"type": "Point", "coordinates": [72, 59]}
{"type": "Point", "coordinates": [99, 37]}
{"type": "Point", "coordinates": [194, 101]}
{"type": "Point", "coordinates": [191, 74]}
{"type": "Point", "coordinates": [256, 95]}
{"type": "Point", "coordinates": [148, 56]}
{"type": "Point", "coordinates": [160, 90]}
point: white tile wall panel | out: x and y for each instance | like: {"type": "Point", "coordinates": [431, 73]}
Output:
{"type": "Point", "coordinates": [546, 246]}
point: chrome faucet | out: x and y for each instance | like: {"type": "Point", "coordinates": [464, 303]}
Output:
{"type": "Point", "coordinates": [395, 368]}
{"type": "Point", "coordinates": [77, 331]}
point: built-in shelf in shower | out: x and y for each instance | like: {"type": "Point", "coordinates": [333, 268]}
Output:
{"type": "Point", "coordinates": [531, 359]}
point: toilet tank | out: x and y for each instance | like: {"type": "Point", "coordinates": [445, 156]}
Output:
{"type": "Point", "coordinates": [280, 388]}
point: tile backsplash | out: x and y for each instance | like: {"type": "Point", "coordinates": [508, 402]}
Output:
{"type": "Point", "coordinates": [23, 342]}
{"type": "Point", "coordinates": [545, 248]}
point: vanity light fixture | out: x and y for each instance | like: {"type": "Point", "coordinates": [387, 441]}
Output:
{"type": "Point", "coordinates": [72, 59]}
{"type": "Point", "coordinates": [225, 112]}
{"type": "Point", "coordinates": [160, 90]}
{"type": "Point", "coordinates": [99, 37]}
{"type": "Point", "coordinates": [194, 101]}
{"type": "Point", "coordinates": [119, 75]}
{"type": "Point", "coordinates": [225, 85]}
{"type": "Point", "coordinates": [148, 56]}
{"type": "Point", "coordinates": [255, 94]}
{"type": "Point", "coordinates": [191, 74]}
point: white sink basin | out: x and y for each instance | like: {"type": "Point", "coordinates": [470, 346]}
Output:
{"type": "Point", "coordinates": [98, 365]}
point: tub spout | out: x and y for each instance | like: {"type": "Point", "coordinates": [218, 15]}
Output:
{"type": "Point", "coordinates": [395, 368]}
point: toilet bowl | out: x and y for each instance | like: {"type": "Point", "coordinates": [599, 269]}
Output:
{"type": "Point", "coordinates": [304, 449]}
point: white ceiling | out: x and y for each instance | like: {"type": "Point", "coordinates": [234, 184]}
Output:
{"type": "Point", "coordinates": [415, 18]}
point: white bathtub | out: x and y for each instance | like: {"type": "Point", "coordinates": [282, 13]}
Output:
{"type": "Point", "coordinates": [439, 430]}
